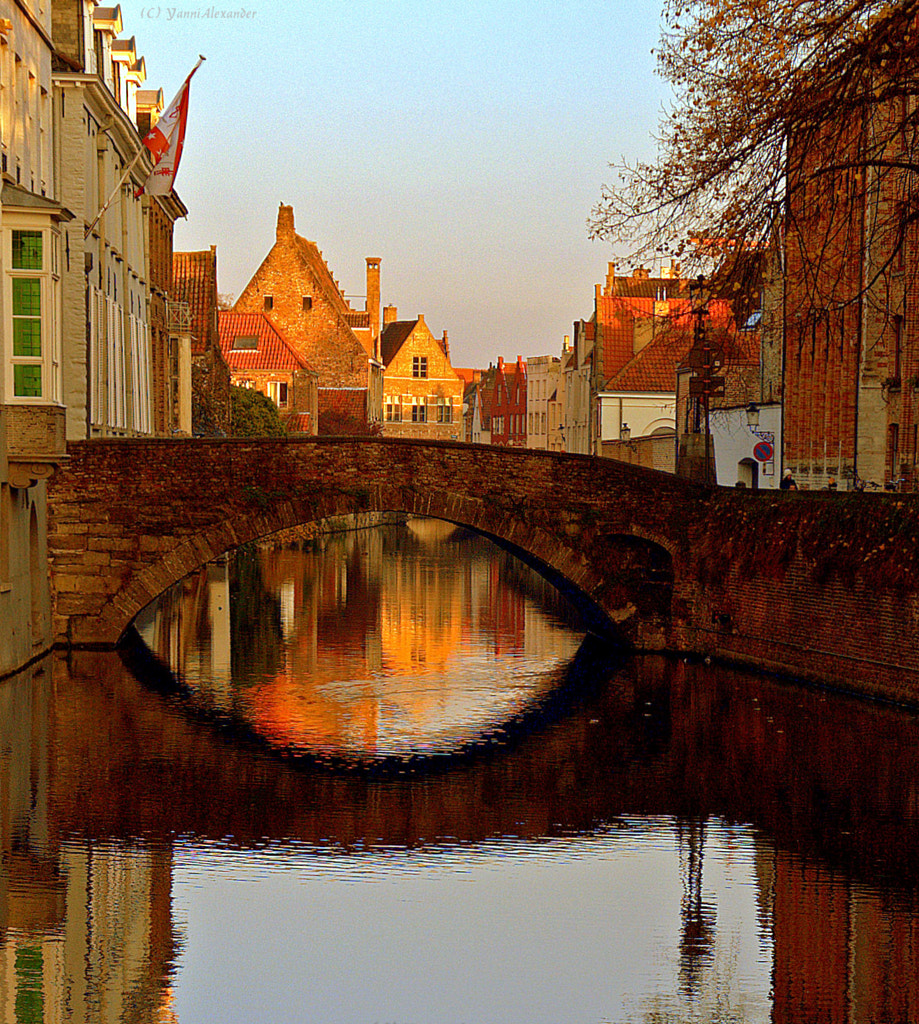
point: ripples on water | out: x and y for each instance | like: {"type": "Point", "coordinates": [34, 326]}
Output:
{"type": "Point", "coordinates": [651, 841]}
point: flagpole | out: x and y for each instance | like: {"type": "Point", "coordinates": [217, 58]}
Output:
{"type": "Point", "coordinates": [115, 191]}
{"type": "Point", "coordinates": [137, 156]}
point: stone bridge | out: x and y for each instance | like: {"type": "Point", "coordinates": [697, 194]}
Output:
{"type": "Point", "coordinates": [818, 585]}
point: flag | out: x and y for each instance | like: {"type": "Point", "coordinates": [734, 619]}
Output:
{"type": "Point", "coordinates": [165, 139]}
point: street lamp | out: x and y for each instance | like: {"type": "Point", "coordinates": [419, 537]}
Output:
{"type": "Point", "coordinates": [752, 415]}
{"type": "Point", "coordinates": [625, 434]}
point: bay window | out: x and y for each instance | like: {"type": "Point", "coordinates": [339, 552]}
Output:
{"type": "Point", "coordinates": [30, 292]}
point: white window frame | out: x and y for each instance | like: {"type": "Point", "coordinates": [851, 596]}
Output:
{"type": "Point", "coordinates": [49, 298]}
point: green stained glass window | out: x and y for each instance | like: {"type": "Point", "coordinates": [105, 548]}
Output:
{"type": "Point", "coordinates": [26, 296]}
{"type": "Point", "coordinates": [27, 337]}
{"type": "Point", "coordinates": [27, 381]}
{"type": "Point", "coordinates": [27, 250]}
{"type": "Point", "coordinates": [26, 317]}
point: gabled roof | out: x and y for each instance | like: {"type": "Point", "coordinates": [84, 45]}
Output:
{"type": "Point", "coordinates": [393, 337]}
{"type": "Point", "coordinates": [194, 280]}
{"type": "Point", "coordinates": [273, 352]}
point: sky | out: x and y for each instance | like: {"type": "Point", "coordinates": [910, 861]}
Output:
{"type": "Point", "coordinates": [462, 143]}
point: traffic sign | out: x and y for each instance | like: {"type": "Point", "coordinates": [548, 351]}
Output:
{"type": "Point", "coordinates": [763, 451]}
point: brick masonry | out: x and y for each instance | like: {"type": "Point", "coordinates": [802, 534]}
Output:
{"type": "Point", "coordinates": [820, 586]}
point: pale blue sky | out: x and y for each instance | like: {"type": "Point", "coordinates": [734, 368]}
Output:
{"type": "Point", "coordinates": [463, 143]}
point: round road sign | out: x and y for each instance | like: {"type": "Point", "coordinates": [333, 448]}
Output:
{"type": "Point", "coordinates": [763, 451]}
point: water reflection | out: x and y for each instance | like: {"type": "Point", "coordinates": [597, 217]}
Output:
{"type": "Point", "coordinates": [685, 843]}
{"type": "Point", "coordinates": [406, 639]}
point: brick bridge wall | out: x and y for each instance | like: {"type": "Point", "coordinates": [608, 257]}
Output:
{"type": "Point", "coordinates": [817, 585]}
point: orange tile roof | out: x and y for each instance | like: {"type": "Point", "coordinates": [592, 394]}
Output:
{"type": "Point", "coordinates": [299, 423]}
{"type": "Point", "coordinates": [654, 367]}
{"type": "Point", "coordinates": [348, 402]}
{"type": "Point", "coordinates": [273, 352]}
{"type": "Point", "coordinates": [194, 280]}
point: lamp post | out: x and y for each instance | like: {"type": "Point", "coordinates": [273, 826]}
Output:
{"type": "Point", "coordinates": [705, 360]}
{"type": "Point", "coordinates": [752, 411]}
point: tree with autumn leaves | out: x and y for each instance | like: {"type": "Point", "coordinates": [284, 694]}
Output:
{"type": "Point", "coordinates": [777, 103]}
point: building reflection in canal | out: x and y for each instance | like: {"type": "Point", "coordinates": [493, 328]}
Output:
{"type": "Point", "coordinates": [349, 644]}
{"type": "Point", "coordinates": [760, 840]}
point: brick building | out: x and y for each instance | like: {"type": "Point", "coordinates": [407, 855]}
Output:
{"type": "Point", "coordinates": [422, 393]}
{"type": "Point", "coordinates": [851, 327]}
{"type": "Point", "coordinates": [509, 404]}
{"type": "Point", "coordinates": [295, 289]}
{"type": "Point", "coordinates": [259, 357]}
{"type": "Point", "coordinates": [195, 283]}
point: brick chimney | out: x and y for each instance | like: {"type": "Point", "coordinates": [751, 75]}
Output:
{"type": "Point", "coordinates": [285, 231]}
{"type": "Point", "coordinates": [390, 315]}
{"type": "Point", "coordinates": [373, 300]}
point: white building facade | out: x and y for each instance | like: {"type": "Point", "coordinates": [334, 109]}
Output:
{"type": "Point", "coordinates": [545, 404]}
{"type": "Point", "coordinates": [31, 383]}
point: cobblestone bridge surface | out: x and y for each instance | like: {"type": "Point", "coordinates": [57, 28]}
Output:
{"type": "Point", "coordinates": [821, 586]}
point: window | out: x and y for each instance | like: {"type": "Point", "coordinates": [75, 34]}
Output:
{"type": "Point", "coordinates": [893, 451]}
{"type": "Point", "coordinates": [277, 392]}
{"type": "Point", "coordinates": [419, 414]}
{"type": "Point", "coordinates": [26, 294]}
{"type": "Point", "coordinates": [245, 342]}
{"type": "Point", "coordinates": [897, 346]}
{"type": "Point", "coordinates": [393, 412]}
{"type": "Point", "coordinates": [307, 303]}
{"type": "Point", "coordinates": [419, 366]}
{"type": "Point", "coordinates": [269, 303]}
{"type": "Point", "coordinates": [444, 411]}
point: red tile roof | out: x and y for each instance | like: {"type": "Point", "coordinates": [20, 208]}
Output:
{"type": "Point", "coordinates": [467, 374]}
{"type": "Point", "coordinates": [194, 280]}
{"type": "Point", "coordinates": [654, 367]}
{"type": "Point", "coordinates": [273, 351]}
{"type": "Point", "coordinates": [347, 402]}
{"type": "Point", "coordinates": [299, 423]}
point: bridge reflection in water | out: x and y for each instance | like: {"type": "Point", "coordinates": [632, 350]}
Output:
{"type": "Point", "coordinates": [118, 802]}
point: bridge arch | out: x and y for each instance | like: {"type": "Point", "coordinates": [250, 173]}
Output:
{"type": "Point", "coordinates": [130, 518]}
{"type": "Point", "coordinates": [643, 583]}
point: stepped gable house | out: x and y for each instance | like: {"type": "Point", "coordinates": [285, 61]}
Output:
{"type": "Point", "coordinates": [422, 393]}
{"type": "Point", "coordinates": [294, 288]}
{"type": "Point", "coordinates": [195, 283]}
{"type": "Point", "coordinates": [260, 357]}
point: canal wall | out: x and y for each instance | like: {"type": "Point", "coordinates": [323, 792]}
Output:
{"type": "Point", "coordinates": [821, 587]}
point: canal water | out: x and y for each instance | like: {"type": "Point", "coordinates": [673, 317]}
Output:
{"type": "Point", "coordinates": [382, 775]}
